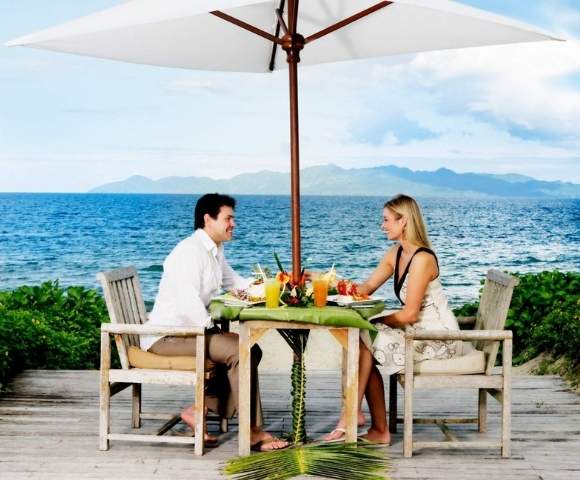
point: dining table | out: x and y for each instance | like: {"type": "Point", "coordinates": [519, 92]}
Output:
{"type": "Point", "coordinates": [343, 323]}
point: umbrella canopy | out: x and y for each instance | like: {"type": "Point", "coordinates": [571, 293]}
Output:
{"type": "Point", "coordinates": [246, 35]}
{"type": "Point", "coordinates": [183, 33]}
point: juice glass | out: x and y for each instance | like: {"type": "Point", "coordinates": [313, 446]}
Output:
{"type": "Point", "coordinates": [272, 293]}
{"type": "Point", "coordinates": [320, 287]}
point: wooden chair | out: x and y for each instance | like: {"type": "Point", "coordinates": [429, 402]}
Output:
{"type": "Point", "coordinates": [127, 314]}
{"type": "Point", "coordinates": [473, 370]}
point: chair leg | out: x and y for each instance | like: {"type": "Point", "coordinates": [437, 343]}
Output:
{"type": "Point", "coordinates": [408, 417]}
{"type": "Point", "coordinates": [482, 411]}
{"type": "Point", "coordinates": [506, 404]}
{"type": "Point", "coordinates": [104, 393]}
{"type": "Point", "coordinates": [136, 406]}
{"type": "Point", "coordinates": [199, 394]}
{"type": "Point", "coordinates": [199, 425]}
{"type": "Point", "coordinates": [343, 378]}
{"type": "Point", "coordinates": [393, 403]}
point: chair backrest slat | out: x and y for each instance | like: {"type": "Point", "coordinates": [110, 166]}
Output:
{"type": "Point", "coordinates": [121, 299]}
{"type": "Point", "coordinates": [142, 312]}
{"type": "Point", "coordinates": [118, 296]}
{"type": "Point", "coordinates": [133, 315]}
{"type": "Point", "coordinates": [128, 299]}
{"type": "Point", "coordinates": [125, 305]}
{"type": "Point", "coordinates": [493, 309]}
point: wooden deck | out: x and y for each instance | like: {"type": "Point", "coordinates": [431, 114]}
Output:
{"type": "Point", "coordinates": [48, 430]}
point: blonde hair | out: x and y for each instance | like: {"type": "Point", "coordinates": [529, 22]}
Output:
{"type": "Point", "coordinates": [415, 230]}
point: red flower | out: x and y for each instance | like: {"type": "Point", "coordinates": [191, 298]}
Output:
{"type": "Point", "coordinates": [282, 277]}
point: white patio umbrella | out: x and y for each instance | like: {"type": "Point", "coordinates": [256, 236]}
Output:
{"type": "Point", "coordinates": [245, 36]}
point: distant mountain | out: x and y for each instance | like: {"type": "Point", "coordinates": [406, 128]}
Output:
{"type": "Point", "coordinates": [510, 177]}
{"type": "Point", "coordinates": [334, 180]}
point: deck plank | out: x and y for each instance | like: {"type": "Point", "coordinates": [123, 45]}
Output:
{"type": "Point", "coordinates": [49, 422]}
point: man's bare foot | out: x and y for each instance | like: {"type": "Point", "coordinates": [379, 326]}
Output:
{"type": "Point", "coordinates": [262, 441]}
{"type": "Point", "coordinates": [188, 417]}
{"type": "Point", "coordinates": [376, 436]}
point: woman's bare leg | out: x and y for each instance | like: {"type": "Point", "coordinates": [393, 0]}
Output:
{"type": "Point", "coordinates": [375, 395]}
{"type": "Point", "coordinates": [365, 365]}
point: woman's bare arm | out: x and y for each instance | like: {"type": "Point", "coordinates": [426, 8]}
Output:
{"type": "Point", "coordinates": [382, 273]}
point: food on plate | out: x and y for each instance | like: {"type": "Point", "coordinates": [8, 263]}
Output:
{"type": "Point", "coordinates": [239, 294]}
{"type": "Point", "coordinates": [349, 288]}
{"type": "Point", "coordinates": [256, 292]}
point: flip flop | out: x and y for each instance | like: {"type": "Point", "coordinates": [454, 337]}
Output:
{"type": "Point", "coordinates": [259, 446]}
{"type": "Point", "coordinates": [342, 437]}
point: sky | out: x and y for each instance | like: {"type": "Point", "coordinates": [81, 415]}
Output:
{"type": "Point", "coordinates": [69, 123]}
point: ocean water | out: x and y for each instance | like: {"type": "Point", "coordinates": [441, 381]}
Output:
{"type": "Point", "coordinates": [71, 237]}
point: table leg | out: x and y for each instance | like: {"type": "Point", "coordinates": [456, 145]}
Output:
{"type": "Point", "coordinates": [351, 396]}
{"type": "Point", "coordinates": [244, 390]}
{"type": "Point", "coordinates": [343, 376]}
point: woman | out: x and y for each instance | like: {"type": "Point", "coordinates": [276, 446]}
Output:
{"type": "Point", "coordinates": [415, 268]}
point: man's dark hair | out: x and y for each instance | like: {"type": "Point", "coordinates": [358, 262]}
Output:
{"type": "Point", "coordinates": [211, 203]}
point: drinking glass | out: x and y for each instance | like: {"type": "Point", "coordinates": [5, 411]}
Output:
{"type": "Point", "coordinates": [320, 287]}
{"type": "Point", "coordinates": [272, 293]}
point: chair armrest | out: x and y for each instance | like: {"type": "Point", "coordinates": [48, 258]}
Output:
{"type": "Point", "coordinates": [466, 320]}
{"type": "Point", "coordinates": [119, 328]}
{"type": "Point", "coordinates": [482, 335]}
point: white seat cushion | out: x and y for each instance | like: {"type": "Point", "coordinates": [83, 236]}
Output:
{"type": "Point", "coordinates": [472, 361]}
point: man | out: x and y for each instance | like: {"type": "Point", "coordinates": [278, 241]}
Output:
{"type": "Point", "coordinates": [194, 272]}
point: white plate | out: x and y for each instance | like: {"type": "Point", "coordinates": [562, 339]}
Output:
{"type": "Point", "coordinates": [241, 303]}
{"type": "Point", "coordinates": [348, 301]}
{"type": "Point", "coordinates": [232, 301]}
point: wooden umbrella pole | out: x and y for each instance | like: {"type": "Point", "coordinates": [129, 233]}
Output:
{"type": "Point", "coordinates": [295, 171]}
{"type": "Point", "coordinates": [292, 43]}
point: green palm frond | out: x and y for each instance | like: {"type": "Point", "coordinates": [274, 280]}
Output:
{"type": "Point", "coordinates": [296, 339]}
{"type": "Point", "coordinates": [278, 262]}
{"type": "Point", "coordinates": [298, 400]}
{"type": "Point", "coordinates": [338, 461]}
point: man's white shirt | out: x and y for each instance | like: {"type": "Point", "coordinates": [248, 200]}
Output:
{"type": "Point", "coordinates": [193, 273]}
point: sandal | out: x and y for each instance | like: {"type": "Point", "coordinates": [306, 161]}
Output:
{"type": "Point", "coordinates": [340, 438]}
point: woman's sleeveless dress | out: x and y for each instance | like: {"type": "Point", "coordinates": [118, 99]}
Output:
{"type": "Point", "coordinates": [388, 347]}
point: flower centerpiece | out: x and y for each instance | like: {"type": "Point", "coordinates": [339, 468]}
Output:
{"type": "Point", "coordinates": [301, 294]}
{"type": "Point", "coordinates": [293, 294]}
